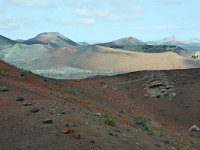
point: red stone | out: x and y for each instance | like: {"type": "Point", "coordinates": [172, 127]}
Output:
{"type": "Point", "coordinates": [66, 130]}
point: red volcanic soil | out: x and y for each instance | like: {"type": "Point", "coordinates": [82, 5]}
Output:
{"type": "Point", "coordinates": [77, 109]}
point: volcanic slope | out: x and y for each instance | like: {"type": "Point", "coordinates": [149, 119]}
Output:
{"type": "Point", "coordinates": [28, 56]}
{"type": "Point", "coordinates": [118, 60]}
{"type": "Point", "coordinates": [95, 59]}
{"type": "Point", "coordinates": [5, 42]}
{"type": "Point", "coordinates": [137, 45]}
{"type": "Point", "coordinates": [53, 39]}
{"type": "Point", "coordinates": [83, 105]}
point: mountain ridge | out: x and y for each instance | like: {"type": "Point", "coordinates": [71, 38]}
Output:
{"type": "Point", "coordinates": [5, 42]}
{"type": "Point", "coordinates": [53, 39]}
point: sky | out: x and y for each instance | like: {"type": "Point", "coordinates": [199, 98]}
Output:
{"type": "Point", "coordinates": [100, 20]}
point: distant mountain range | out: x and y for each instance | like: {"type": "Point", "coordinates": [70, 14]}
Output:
{"type": "Point", "coordinates": [57, 40]}
{"type": "Point", "coordinates": [133, 44]}
{"type": "Point", "coordinates": [83, 43]}
{"type": "Point", "coordinates": [52, 52]}
{"type": "Point", "coordinates": [191, 44]}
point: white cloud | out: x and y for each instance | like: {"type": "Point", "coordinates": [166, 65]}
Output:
{"type": "Point", "coordinates": [87, 21]}
{"type": "Point", "coordinates": [175, 27]}
{"type": "Point", "coordinates": [33, 3]}
{"type": "Point", "coordinates": [14, 23]}
{"type": "Point", "coordinates": [171, 2]}
{"type": "Point", "coordinates": [90, 13]}
{"type": "Point", "coordinates": [66, 22]}
{"type": "Point", "coordinates": [163, 27]}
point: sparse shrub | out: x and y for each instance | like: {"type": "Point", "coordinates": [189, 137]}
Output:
{"type": "Point", "coordinates": [176, 147]}
{"type": "Point", "coordinates": [22, 74]}
{"type": "Point", "coordinates": [73, 91]}
{"type": "Point", "coordinates": [122, 111]}
{"type": "Point", "coordinates": [144, 123]}
{"type": "Point", "coordinates": [109, 120]}
{"type": "Point", "coordinates": [2, 73]}
{"type": "Point", "coordinates": [68, 99]}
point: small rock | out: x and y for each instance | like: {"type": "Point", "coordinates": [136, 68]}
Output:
{"type": "Point", "coordinates": [156, 84]}
{"type": "Point", "coordinates": [77, 136]}
{"type": "Point", "coordinates": [112, 142]}
{"type": "Point", "coordinates": [115, 89]}
{"type": "Point", "coordinates": [92, 141]}
{"type": "Point", "coordinates": [172, 95]}
{"type": "Point", "coordinates": [67, 130]}
{"type": "Point", "coordinates": [19, 98]}
{"type": "Point", "coordinates": [137, 144]}
{"type": "Point", "coordinates": [63, 112]}
{"type": "Point", "coordinates": [116, 130]}
{"type": "Point", "coordinates": [98, 115]}
{"type": "Point", "coordinates": [4, 89]}
{"type": "Point", "coordinates": [28, 146]}
{"type": "Point", "coordinates": [111, 134]}
{"type": "Point", "coordinates": [157, 145]}
{"type": "Point", "coordinates": [146, 95]}
{"type": "Point", "coordinates": [48, 121]}
{"type": "Point", "coordinates": [27, 104]}
{"type": "Point", "coordinates": [194, 128]}
{"type": "Point", "coordinates": [34, 110]}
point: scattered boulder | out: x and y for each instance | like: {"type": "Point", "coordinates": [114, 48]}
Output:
{"type": "Point", "coordinates": [160, 85]}
{"type": "Point", "coordinates": [155, 84]}
{"type": "Point", "coordinates": [48, 121]}
{"type": "Point", "coordinates": [194, 128]}
{"type": "Point", "coordinates": [92, 141]}
{"type": "Point", "coordinates": [19, 98]}
{"type": "Point", "coordinates": [77, 136]}
{"type": "Point", "coordinates": [27, 104]}
{"type": "Point", "coordinates": [4, 89]}
{"type": "Point", "coordinates": [98, 115]}
{"type": "Point", "coordinates": [172, 95]}
{"type": "Point", "coordinates": [67, 130]}
{"type": "Point", "coordinates": [34, 110]}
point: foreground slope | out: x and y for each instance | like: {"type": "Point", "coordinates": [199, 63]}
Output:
{"type": "Point", "coordinates": [81, 105]}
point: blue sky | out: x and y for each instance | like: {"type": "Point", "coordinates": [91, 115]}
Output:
{"type": "Point", "coordinates": [101, 20]}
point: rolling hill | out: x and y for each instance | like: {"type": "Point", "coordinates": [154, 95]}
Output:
{"type": "Point", "coordinates": [118, 60]}
{"type": "Point", "coordinates": [28, 56]}
{"type": "Point", "coordinates": [5, 42]}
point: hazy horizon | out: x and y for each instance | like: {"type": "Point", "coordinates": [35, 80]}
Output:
{"type": "Point", "coordinates": [99, 21]}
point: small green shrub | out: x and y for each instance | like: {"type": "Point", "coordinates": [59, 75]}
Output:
{"type": "Point", "coordinates": [2, 73]}
{"type": "Point", "coordinates": [176, 147]}
{"type": "Point", "coordinates": [122, 111]}
{"type": "Point", "coordinates": [109, 120]}
{"type": "Point", "coordinates": [144, 123]}
{"type": "Point", "coordinates": [22, 74]}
